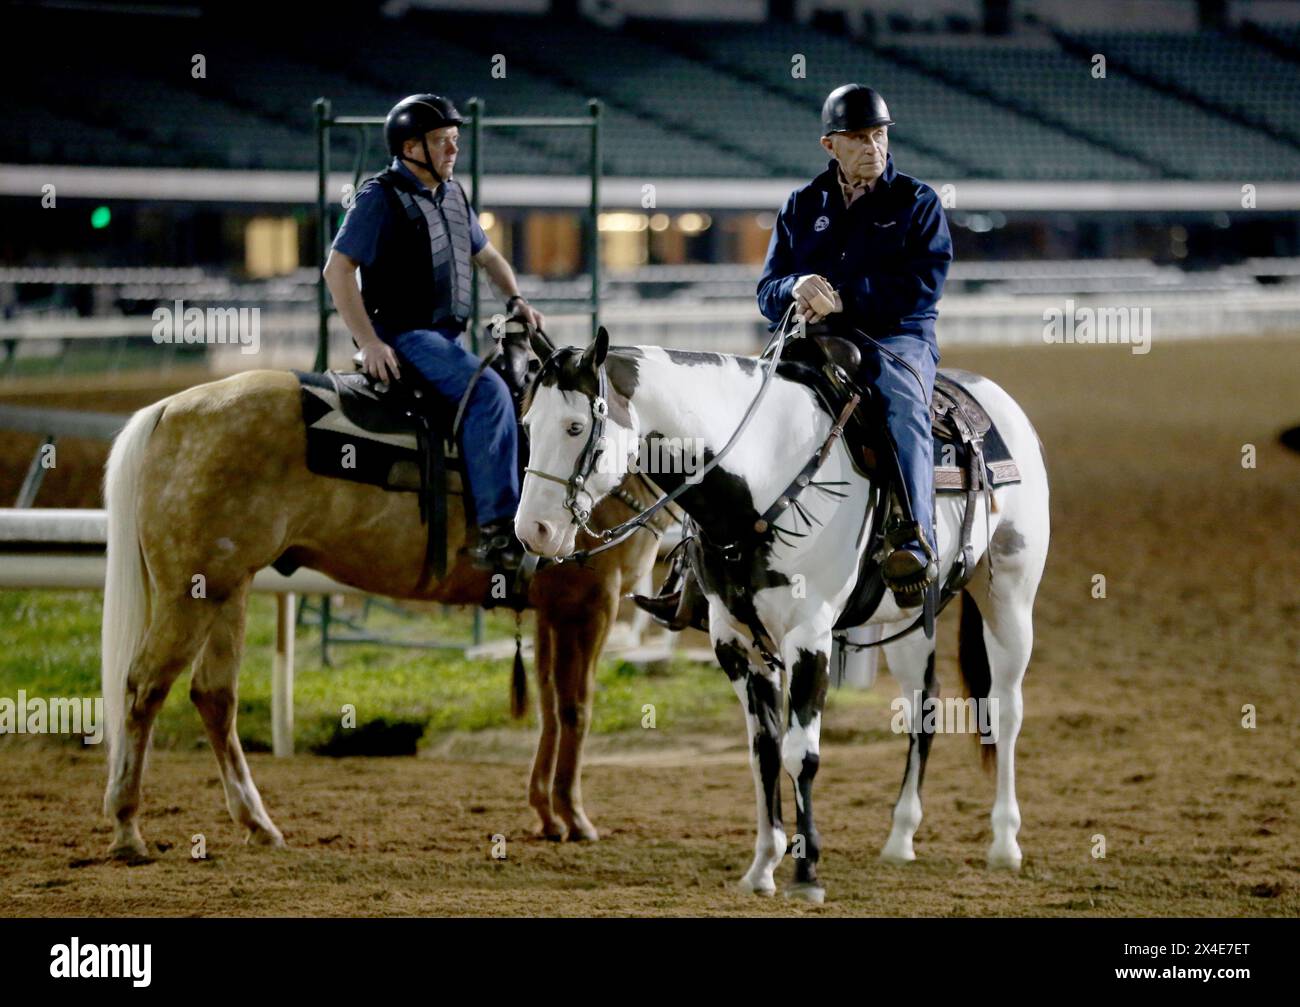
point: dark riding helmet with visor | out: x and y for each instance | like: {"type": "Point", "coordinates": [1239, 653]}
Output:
{"type": "Point", "coordinates": [413, 117]}
{"type": "Point", "coordinates": [854, 106]}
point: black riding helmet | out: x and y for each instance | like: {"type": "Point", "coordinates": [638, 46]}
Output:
{"type": "Point", "coordinates": [412, 117]}
{"type": "Point", "coordinates": [854, 106]}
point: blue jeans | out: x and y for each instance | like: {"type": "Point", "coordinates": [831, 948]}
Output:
{"type": "Point", "coordinates": [907, 414]}
{"type": "Point", "coordinates": [489, 437]}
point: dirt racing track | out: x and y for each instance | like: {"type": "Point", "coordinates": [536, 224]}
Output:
{"type": "Point", "coordinates": [1133, 725]}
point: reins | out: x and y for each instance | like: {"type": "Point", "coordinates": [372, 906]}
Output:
{"type": "Point", "coordinates": [586, 460]}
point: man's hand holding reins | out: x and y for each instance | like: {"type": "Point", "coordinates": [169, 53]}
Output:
{"type": "Point", "coordinates": [525, 312]}
{"type": "Point", "coordinates": [815, 298]}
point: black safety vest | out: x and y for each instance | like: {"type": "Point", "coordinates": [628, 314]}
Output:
{"type": "Point", "coordinates": [423, 239]}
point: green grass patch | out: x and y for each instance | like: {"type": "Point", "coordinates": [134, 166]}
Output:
{"type": "Point", "coordinates": [49, 646]}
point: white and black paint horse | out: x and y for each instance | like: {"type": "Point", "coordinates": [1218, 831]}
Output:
{"type": "Point", "coordinates": [797, 587]}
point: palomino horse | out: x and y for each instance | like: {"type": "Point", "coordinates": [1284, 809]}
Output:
{"type": "Point", "coordinates": [213, 482]}
{"type": "Point", "coordinates": [793, 586]}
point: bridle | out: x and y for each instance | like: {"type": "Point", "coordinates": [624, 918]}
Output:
{"type": "Point", "coordinates": [585, 466]}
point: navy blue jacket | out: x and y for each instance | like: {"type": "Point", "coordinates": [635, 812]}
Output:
{"type": "Point", "coordinates": [887, 254]}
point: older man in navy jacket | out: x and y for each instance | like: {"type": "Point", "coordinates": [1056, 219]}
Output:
{"type": "Point", "coordinates": [866, 249]}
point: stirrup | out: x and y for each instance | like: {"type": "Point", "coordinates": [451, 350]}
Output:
{"type": "Point", "coordinates": [502, 553]}
{"type": "Point", "coordinates": [909, 588]}
{"type": "Point", "coordinates": [677, 610]}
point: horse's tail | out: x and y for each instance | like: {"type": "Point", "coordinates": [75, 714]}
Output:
{"type": "Point", "coordinates": [126, 585]}
{"type": "Point", "coordinates": [973, 659]}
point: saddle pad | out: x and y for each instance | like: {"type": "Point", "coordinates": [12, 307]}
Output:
{"type": "Point", "coordinates": [951, 452]}
{"type": "Point", "coordinates": [341, 449]}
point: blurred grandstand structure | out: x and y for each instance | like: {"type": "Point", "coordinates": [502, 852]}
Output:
{"type": "Point", "coordinates": [1113, 153]}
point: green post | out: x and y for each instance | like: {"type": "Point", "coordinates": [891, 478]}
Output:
{"type": "Point", "coordinates": [325, 121]}
{"type": "Point", "coordinates": [475, 201]}
{"type": "Point", "coordinates": [322, 109]}
{"type": "Point", "coordinates": [594, 251]}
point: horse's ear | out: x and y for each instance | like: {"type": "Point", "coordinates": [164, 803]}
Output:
{"type": "Point", "coordinates": [541, 345]}
{"type": "Point", "coordinates": [594, 355]}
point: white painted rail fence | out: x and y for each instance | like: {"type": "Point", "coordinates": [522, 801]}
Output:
{"type": "Point", "coordinates": [65, 550]}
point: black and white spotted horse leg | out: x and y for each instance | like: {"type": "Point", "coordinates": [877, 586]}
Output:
{"type": "Point", "coordinates": [807, 656]}
{"type": "Point", "coordinates": [759, 690]}
{"type": "Point", "coordinates": [911, 661]}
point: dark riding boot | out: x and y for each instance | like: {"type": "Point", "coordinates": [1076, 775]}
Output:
{"type": "Point", "coordinates": [497, 548]}
{"type": "Point", "coordinates": [910, 564]}
{"type": "Point", "coordinates": [677, 610]}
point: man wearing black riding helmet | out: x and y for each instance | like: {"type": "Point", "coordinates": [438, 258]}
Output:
{"type": "Point", "coordinates": [865, 249]}
{"type": "Point", "coordinates": [413, 235]}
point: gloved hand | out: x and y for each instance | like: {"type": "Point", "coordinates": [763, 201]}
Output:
{"type": "Point", "coordinates": [815, 299]}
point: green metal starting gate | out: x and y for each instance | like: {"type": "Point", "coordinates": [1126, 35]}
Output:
{"type": "Point", "coordinates": [477, 122]}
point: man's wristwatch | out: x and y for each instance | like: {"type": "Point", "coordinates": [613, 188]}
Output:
{"type": "Point", "coordinates": [510, 302]}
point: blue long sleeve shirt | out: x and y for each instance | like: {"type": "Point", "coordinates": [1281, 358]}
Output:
{"type": "Point", "coordinates": [887, 254]}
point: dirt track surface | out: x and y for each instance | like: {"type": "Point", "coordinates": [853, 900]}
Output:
{"type": "Point", "coordinates": [1133, 727]}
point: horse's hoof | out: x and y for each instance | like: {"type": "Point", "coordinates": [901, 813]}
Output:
{"type": "Point", "coordinates": [552, 831]}
{"type": "Point", "coordinates": [583, 832]}
{"type": "Point", "coordinates": [806, 891]}
{"type": "Point", "coordinates": [265, 837]}
{"type": "Point", "coordinates": [897, 857]}
{"type": "Point", "coordinates": [1005, 860]}
{"type": "Point", "coordinates": [130, 848]}
{"type": "Point", "coordinates": [131, 854]}
{"type": "Point", "coordinates": [756, 888]}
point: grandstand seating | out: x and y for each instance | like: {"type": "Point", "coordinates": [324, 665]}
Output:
{"type": "Point", "coordinates": [943, 132]}
{"type": "Point", "coordinates": [1282, 39]}
{"type": "Point", "coordinates": [708, 99]}
{"type": "Point", "coordinates": [1119, 112]}
{"type": "Point", "coordinates": [1226, 73]}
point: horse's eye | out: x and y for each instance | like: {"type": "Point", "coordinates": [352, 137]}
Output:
{"type": "Point", "coordinates": [575, 429]}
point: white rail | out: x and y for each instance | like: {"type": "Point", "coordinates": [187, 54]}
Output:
{"type": "Point", "coordinates": [64, 550]}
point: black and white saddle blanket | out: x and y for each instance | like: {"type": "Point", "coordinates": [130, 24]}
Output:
{"type": "Point", "coordinates": [400, 440]}
{"type": "Point", "coordinates": [355, 433]}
